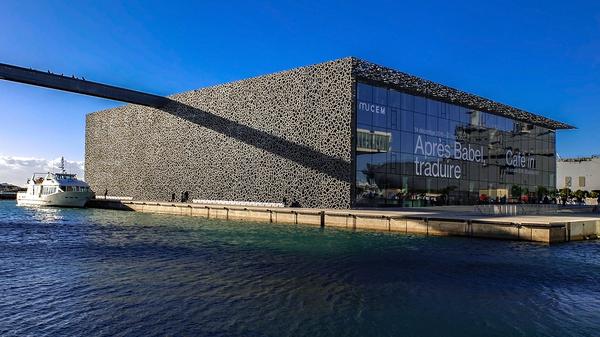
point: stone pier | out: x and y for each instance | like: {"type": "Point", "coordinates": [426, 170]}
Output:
{"type": "Point", "coordinates": [536, 228]}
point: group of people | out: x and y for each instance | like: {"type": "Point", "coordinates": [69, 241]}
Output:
{"type": "Point", "coordinates": [564, 200]}
{"type": "Point", "coordinates": [294, 203]}
{"type": "Point", "coordinates": [185, 196]}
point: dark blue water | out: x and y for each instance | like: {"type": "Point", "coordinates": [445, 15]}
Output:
{"type": "Point", "coordinates": [69, 272]}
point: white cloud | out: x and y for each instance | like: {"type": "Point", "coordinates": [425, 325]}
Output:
{"type": "Point", "coordinates": [16, 170]}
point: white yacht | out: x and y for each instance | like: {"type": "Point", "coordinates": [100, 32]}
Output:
{"type": "Point", "coordinates": [55, 189]}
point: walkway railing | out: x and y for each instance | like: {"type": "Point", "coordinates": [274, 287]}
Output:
{"type": "Point", "coordinates": [516, 209]}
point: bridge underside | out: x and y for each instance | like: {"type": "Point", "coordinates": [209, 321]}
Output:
{"type": "Point", "coordinates": [79, 86]}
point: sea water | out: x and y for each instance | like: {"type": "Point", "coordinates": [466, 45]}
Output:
{"type": "Point", "coordinates": [88, 272]}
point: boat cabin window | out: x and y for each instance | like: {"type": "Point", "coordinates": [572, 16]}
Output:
{"type": "Point", "coordinates": [74, 188]}
{"type": "Point", "coordinates": [48, 190]}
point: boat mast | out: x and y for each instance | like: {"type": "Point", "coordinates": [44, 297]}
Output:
{"type": "Point", "coordinates": [62, 165]}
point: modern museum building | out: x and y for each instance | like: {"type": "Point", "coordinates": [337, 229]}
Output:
{"type": "Point", "coordinates": [341, 134]}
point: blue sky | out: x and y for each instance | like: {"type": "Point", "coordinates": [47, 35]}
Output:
{"type": "Point", "coordinates": [543, 57]}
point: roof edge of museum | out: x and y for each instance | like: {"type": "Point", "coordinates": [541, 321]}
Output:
{"type": "Point", "coordinates": [370, 72]}
{"type": "Point", "coordinates": [375, 74]}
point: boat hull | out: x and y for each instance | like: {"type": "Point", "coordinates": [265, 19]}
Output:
{"type": "Point", "coordinates": [61, 199]}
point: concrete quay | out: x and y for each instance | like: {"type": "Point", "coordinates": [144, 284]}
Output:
{"type": "Point", "coordinates": [537, 228]}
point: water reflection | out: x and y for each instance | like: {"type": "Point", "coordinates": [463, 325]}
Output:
{"type": "Point", "coordinates": [95, 272]}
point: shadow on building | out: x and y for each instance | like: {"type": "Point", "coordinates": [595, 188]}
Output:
{"type": "Point", "coordinates": [310, 158]}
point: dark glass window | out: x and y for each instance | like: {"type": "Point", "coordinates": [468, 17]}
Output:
{"type": "Point", "coordinates": [420, 122]}
{"type": "Point", "coordinates": [393, 118]}
{"type": "Point", "coordinates": [453, 112]}
{"type": "Point", "coordinates": [433, 107]}
{"type": "Point", "coordinates": [408, 102]}
{"type": "Point", "coordinates": [407, 142]}
{"type": "Point", "coordinates": [407, 120]}
{"type": "Point", "coordinates": [362, 161]}
{"type": "Point", "coordinates": [380, 96]}
{"type": "Point", "coordinates": [421, 104]}
{"type": "Point", "coordinates": [432, 123]}
{"type": "Point", "coordinates": [365, 93]}
{"type": "Point", "coordinates": [394, 99]}
{"type": "Point", "coordinates": [465, 116]}
{"type": "Point", "coordinates": [380, 117]}
{"type": "Point", "coordinates": [444, 111]}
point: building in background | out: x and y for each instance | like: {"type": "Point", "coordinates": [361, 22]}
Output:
{"type": "Point", "coordinates": [9, 191]}
{"type": "Point", "coordinates": [340, 134]}
{"type": "Point", "coordinates": [581, 173]}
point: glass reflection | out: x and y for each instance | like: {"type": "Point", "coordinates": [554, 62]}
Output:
{"type": "Point", "coordinates": [500, 160]}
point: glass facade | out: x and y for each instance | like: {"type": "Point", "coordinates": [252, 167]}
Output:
{"type": "Point", "coordinates": [414, 151]}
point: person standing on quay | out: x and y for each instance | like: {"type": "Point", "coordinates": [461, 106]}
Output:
{"type": "Point", "coordinates": [182, 197]}
{"type": "Point", "coordinates": [173, 197]}
{"type": "Point", "coordinates": [105, 193]}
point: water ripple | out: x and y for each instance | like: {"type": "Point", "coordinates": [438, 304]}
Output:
{"type": "Point", "coordinates": [109, 273]}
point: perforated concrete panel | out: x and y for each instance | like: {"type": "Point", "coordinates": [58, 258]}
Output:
{"type": "Point", "coordinates": [262, 139]}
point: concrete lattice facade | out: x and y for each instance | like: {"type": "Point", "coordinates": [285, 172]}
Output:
{"type": "Point", "coordinates": [262, 139]}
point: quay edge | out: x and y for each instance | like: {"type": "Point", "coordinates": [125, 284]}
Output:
{"type": "Point", "coordinates": [546, 229]}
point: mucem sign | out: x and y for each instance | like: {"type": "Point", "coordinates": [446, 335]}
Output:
{"type": "Point", "coordinates": [340, 134]}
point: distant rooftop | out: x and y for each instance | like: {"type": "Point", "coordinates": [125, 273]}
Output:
{"type": "Point", "coordinates": [580, 159]}
{"type": "Point", "coordinates": [367, 71]}
{"type": "Point", "coordinates": [6, 187]}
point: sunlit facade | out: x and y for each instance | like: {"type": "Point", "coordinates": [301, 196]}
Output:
{"type": "Point", "coordinates": [341, 134]}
